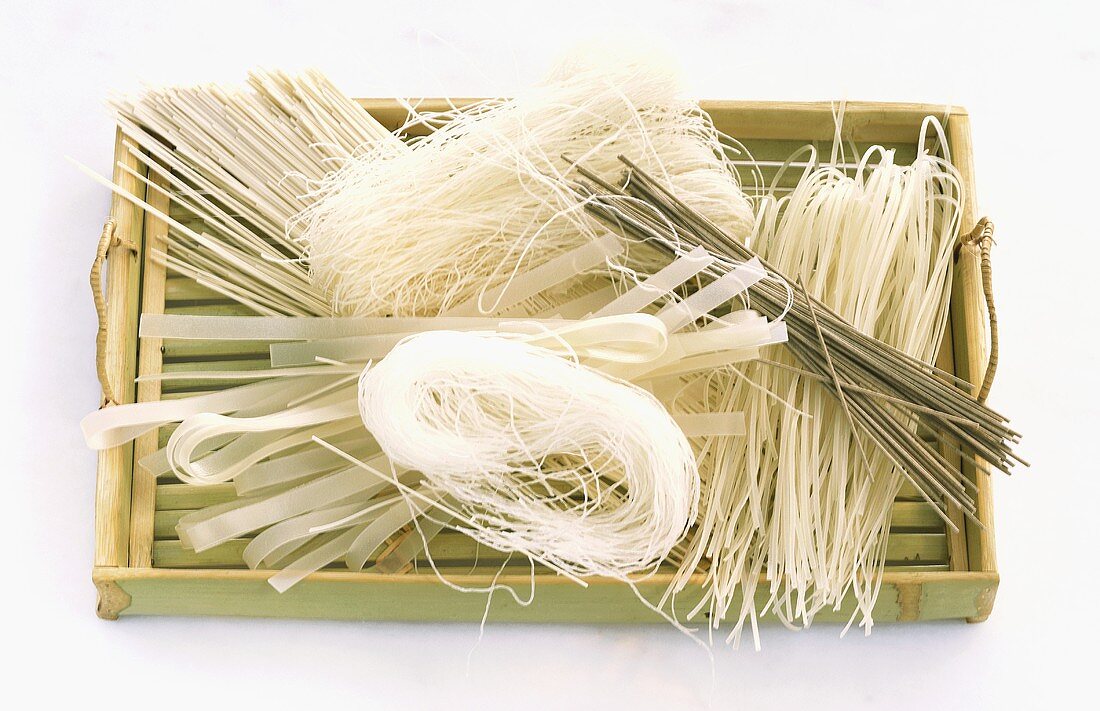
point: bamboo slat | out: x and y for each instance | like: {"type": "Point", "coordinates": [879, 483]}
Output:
{"type": "Point", "coordinates": [229, 365]}
{"type": "Point", "coordinates": [181, 289]}
{"type": "Point", "coordinates": [970, 325]}
{"type": "Point", "coordinates": [221, 308]}
{"type": "Point", "coordinates": [174, 497]}
{"type": "Point", "coordinates": [782, 120]}
{"type": "Point", "coordinates": [238, 365]}
{"type": "Point", "coordinates": [177, 500]}
{"type": "Point", "coordinates": [454, 549]}
{"type": "Point", "coordinates": [343, 595]}
{"type": "Point", "coordinates": [115, 465]}
{"type": "Point", "coordinates": [143, 498]}
{"type": "Point", "coordinates": [197, 351]}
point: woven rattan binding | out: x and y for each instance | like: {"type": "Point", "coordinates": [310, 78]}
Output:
{"type": "Point", "coordinates": [982, 236]}
{"type": "Point", "coordinates": [108, 240]}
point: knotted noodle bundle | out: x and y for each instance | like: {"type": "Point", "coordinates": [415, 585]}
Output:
{"type": "Point", "coordinates": [541, 455]}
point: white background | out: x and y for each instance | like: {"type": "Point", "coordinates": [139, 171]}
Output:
{"type": "Point", "coordinates": [1026, 71]}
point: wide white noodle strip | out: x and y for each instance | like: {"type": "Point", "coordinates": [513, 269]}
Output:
{"type": "Point", "coordinates": [199, 518]}
{"type": "Point", "coordinates": [361, 517]}
{"type": "Point", "coordinates": [274, 542]}
{"type": "Point", "coordinates": [355, 349]}
{"type": "Point", "coordinates": [427, 528]}
{"type": "Point", "coordinates": [360, 507]}
{"type": "Point", "coordinates": [445, 508]}
{"type": "Point", "coordinates": [251, 448]}
{"type": "Point", "coordinates": [205, 534]}
{"type": "Point", "coordinates": [112, 426]}
{"type": "Point", "coordinates": [546, 275]}
{"type": "Point", "coordinates": [157, 463]}
{"type": "Point", "coordinates": [706, 361]}
{"type": "Point", "coordinates": [193, 518]}
{"type": "Point", "coordinates": [679, 314]}
{"type": "Point", "coordinates": [656, 286]}
{"type": "Point", "coordinates": [236, 449]}
{"type": "Point", "coordinates": [287, 328]}
{"type": "Point", "coordinates": [197, 429]}
{"type": "Point", "coordinates": [313, 561]}
{"type": "Point", "coordinates": [582, 306]}
{"type": "Point", "coordinates": [720, 336]}
{"type": "Point", "coordinates": [364, 348]}
{"type": "Point", "coordinates": [667, 390]}
{"type": "Point", "coordinates": [708, 424]}
{"type": "Point", "coordinates": [400, 514]}
{"type": "Point", "coordinates": [285, 554]}
{"type": "Point", "coordinates": [301, 465]}
{"type": "Point", "coordinates": [628, 338]}
{"type": "Point", "coordinates": [257, 504]}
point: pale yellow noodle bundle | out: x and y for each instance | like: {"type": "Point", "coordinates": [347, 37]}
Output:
{"type": "Point", "coordinates": [796, 497]}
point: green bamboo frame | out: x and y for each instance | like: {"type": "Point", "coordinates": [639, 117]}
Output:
{"type": "Point", "coordinates": [128, 521]}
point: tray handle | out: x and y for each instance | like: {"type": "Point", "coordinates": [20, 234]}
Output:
{"type": "Point", "coordinates": [108, 241]}
{"type": "Point", "coordinates": [982, 236]}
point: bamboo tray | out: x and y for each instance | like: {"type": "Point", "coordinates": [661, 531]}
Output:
{"type": "Point", "coordinates": [142, 569]}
